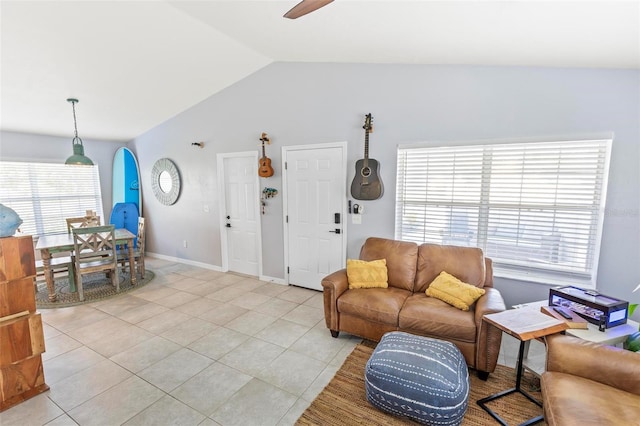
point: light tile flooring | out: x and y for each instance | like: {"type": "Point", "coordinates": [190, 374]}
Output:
{"type": "Point", "coordinates": [193, 347]}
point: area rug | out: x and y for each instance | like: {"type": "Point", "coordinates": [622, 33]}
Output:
{"type": "Point", "coordinates": [343, 401]}
{"type": "Point", "coordinates": [96, 287]}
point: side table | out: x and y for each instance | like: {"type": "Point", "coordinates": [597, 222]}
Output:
{"type": "Point", "coordinates": [611, 336]}
{"type": "Point", "coordinates": [525, 324]}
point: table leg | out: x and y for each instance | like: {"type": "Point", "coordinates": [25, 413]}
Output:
{"type": "Point", "coordinates": [519, 370]}
{"type": "Point", "coordinates": [527, 344]}
{"type": "Point", "coordinates": [45, 254]}
{"type": "Point", "coordinates": [132, 264]}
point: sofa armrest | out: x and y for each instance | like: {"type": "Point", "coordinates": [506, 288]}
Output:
{"type": "Point", "coordinates": [489, 337]}
{"type": "Point", "coordinates": [490, 303]}
{"type": "Point", "coordinates": [333, 286]}
{"type": "Point", "coordinates": [609, 365]}
{"type": "Point", "coordinates": [488, 274]}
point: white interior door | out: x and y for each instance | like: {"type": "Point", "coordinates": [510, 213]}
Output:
{"type": "Point", "coordinates": [240, 214]}
{"type": "Point", "coordinates": [315, 184]}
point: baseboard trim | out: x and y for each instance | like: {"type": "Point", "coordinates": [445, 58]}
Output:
{"type": "Point", "coordinates": [203, 265]}
{"type": "Point", "coordinates": [184, 261]}
{"type": "Point", "coordinates": [272, 280]}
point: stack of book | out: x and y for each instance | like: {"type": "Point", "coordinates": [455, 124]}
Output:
{"type": "Point", "coordinates": [572, 319]}
{"type": "Point", "coordinates": [526, 324]}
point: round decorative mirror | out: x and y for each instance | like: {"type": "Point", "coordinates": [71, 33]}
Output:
{"type": "Point", "coordinates": [165, 181]}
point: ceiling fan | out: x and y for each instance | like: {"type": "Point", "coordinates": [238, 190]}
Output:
{"type": "Point", "coordinates": [304, 7]}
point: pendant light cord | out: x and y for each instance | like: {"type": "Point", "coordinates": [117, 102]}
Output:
{"type": "Point", "coordinates": [75, 124]}
{"type": "Point", "coordinates": [78, 156]}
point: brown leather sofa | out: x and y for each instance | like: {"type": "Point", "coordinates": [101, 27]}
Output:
{"type": "Point", "coordinates": [587, 383]}
{"type": "Point", "coordinates": [404, 306]}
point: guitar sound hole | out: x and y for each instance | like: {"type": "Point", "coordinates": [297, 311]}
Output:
{"type": "Point", "coordinates": [365, 172]}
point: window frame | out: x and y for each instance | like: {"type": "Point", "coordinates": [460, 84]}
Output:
{"type": "Point", "coordinates": [26, 187]}
{"type": "Point", "coordinates": [503, 267]}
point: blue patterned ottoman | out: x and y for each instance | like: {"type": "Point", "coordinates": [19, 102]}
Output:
{"type": "Point", "coordinates": [418, 377]}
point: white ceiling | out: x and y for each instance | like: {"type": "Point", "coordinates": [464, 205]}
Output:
{"type": "Point", "coordinates": [135, 64]}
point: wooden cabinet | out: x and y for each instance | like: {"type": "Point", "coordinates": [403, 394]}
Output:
{"type": "Point", "coordinates": [21, 336]}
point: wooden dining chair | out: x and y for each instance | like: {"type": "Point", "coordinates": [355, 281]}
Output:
{"type": "Point", "coordinates": [58, 265]}
{"type": "Point", "coordinates": [94, 249]}
{"type": "Point", "coordinates": [138, 250]}
{"type": "Point", "coordinates": [82, 222]}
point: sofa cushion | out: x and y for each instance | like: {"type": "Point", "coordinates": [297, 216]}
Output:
{"type": "Point", "coordinates": [401, 259]}
{"type": "Point", "coordinates": [456, 293]}
{"type": "Point", "coordinates": [364, 274]}
{"type": "Point", "coordinates": [430, 316]}
{"type": "Point", "coordinates": [380, 305]}
{"type": "Point", "coordinates": [570, 400]}
{"type": "Point", "coordinates": [417, 377]}
{"type": "Point", "coordinates": [465, 263]}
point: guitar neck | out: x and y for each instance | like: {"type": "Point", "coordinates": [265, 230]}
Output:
{"type": "Point", "coordinates": [366, 148]}
{"type": "Point", "coordinates": [264, 139]}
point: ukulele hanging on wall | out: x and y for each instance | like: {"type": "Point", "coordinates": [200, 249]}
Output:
{"type": "Point", "coordinates": [366, 184]}
{"type": "Point", "coordinates": [264, 164]}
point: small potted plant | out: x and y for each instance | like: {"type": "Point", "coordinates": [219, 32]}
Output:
{"type": "Point", "coordinates": [633, 341]}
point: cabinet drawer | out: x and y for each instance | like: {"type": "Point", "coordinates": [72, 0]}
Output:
{"type": "Point", "coordinates": [17, 296]}
{"type": "Point", "coordinates": [16, 258]}
{"type": "Point", "coordinates": [20, 381]}
{"type": "Point", "coordinates": [20, 338]}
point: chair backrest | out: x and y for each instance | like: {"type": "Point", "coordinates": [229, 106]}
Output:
{"type": "Point", "coordinates": [141, 235]}
{"type": "Point", "coordinates": [82, 222]}
{"type": "Point", "coordinates": [400, 256]}
{"type": "Point", "coordinates": [94, 242]}
{"type": "Point", "coordinates": [468, 264]}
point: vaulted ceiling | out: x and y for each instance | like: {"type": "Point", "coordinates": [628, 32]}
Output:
{"type": "Point", "coordinates": [135, 64]}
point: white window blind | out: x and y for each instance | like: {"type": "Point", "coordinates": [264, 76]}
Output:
{"type": "Point", "coordinates": [535, 208]}
{"type": "Point", "coordinates": [45, 194]}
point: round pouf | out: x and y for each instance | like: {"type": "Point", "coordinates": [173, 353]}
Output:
{"type": "Point", "coordinates": [418, 377]}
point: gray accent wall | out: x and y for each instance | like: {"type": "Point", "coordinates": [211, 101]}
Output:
{"type": "Point", "coordinates": [305, 103]}
{"type": "Point", "coordinates": [299, 103]}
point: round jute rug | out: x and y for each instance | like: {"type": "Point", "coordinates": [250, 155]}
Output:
{"type": "Point", "coordinates": [96, 287]}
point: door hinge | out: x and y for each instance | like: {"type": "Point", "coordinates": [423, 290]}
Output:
{"type": "Point", "coordinates": [286, 219]}
{"type": "Point", "coordinates": [285, 165]}
{"type": "Point", "coordinates": [287, 269]}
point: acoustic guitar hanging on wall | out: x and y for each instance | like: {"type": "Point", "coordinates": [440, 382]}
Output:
{"type": "Point", "coordinates": [264, 164]}
{"type": "Point", "coordinates": [366, 184]}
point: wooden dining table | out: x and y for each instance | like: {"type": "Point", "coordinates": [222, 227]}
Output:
{"type": "Point", "coordinates": [56, 243]}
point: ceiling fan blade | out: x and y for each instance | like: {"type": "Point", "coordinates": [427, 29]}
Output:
{"type": "Point", "coordinates": [304, 7]}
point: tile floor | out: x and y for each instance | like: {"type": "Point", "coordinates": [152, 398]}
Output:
{"type": "Point", "coordinates": [193, 347]}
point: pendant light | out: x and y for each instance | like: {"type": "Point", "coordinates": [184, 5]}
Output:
{"type": "Point", "coordinates": [78, 156]}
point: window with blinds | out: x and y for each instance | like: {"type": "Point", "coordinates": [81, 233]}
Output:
{"type": "Point", "coordinates": [535, 208]}
{"type": "Point", "coordinates": [45, 194]}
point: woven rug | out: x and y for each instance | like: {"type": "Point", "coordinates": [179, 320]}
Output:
{"type": "Point", "coordinates": [343, 401]}
{"type": "Point", "coordinates": [96, 287]}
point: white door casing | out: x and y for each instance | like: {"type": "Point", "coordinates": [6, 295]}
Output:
{"type": "Point", "coordinates": [314, 185]}
{"type": "Point", "coordinates": [240, 230]}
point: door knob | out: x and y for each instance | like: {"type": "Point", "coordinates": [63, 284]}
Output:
{"type": "Point", "coordinates": [228, 225]}
{"type": "Point", "coordinates": [336, 231]}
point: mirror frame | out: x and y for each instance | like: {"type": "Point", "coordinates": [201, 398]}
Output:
{"type": "Point", "coordinates": [165, 165]}
{"type": "Point", "coordinates": [125, 151]}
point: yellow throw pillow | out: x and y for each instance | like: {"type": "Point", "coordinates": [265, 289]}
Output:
{"type": "Point", "coordinates": [363, 274]}
{"type": "Point", "coordinates": [451, 290]}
